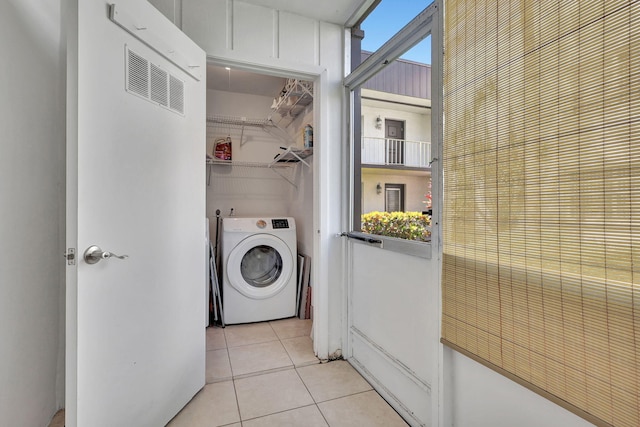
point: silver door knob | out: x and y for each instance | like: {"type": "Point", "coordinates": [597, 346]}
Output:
{"type": "Point", "coordinates": [94, 254]}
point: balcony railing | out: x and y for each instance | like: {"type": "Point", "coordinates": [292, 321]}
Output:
{"type": "Point", "coordinates": [395, 152]}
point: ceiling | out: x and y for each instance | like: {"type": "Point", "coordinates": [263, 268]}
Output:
{"type": "Point", "coordinates": [334, 11]}
{"type": "Point", "coordinates": [239, 81]}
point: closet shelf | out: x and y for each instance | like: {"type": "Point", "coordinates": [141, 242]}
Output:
{"type": "Point", "coordinates": [295, 96]}
{"type": "Point", "coordinates": [292, 155]}
{"type": "Point", "coordinates": [240, 121]}
{"type": "Point", "coordinates": [232, 163]}
{"type": "Point", "coordinates": [225, 124]}
{"type": "Point", "coordinates": [289, 157]}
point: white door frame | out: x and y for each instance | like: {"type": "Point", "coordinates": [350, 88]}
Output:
{"type": "Point", "coordinates": [320, 164]}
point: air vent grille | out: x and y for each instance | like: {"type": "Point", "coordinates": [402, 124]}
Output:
{"type": "Point", "coordinates": [159, 91]}
{"type": "Point", "coordinates": [151, 82]}
{"type": "Point", "coordinates": [137, 74]}
{"type": "Point", "coordinates": [176, 94]}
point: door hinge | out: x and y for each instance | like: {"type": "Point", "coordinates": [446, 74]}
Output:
{"type": "Point", "coordinates": [70, 255]}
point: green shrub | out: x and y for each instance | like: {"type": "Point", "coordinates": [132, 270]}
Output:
{"type": "Point", "coordinates": [403, 225]}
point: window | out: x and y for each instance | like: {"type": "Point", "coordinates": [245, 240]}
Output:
{"type": "Point", "coordinates": [394, 197]}
{"type": "Point", "coordinates": [392, 140]}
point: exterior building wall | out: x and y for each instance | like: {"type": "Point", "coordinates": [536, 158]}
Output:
{"type": "Point", "coordinates": [417, 118]}
{"type": "Point", "coordinates": [402, 77]}
{"type": "Point", "coordinates": [416, 188]}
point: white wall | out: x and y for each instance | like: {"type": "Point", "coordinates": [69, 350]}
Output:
{"type": "Point", "coordinates": [477, 396]}
{"type": "Point", "coordinates": [32, 84]}
{"type": "Point", "coordinates": [256, 145]}
{"type": "Point", "coordinates": [264, 39]}
{"type": "Point", "coordinates": [301, 206]}
{"type": "Point", "coordinates": [250, 191]}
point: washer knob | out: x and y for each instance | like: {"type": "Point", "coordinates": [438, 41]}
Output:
{"type": "Point", "coordinates": [261, 223]}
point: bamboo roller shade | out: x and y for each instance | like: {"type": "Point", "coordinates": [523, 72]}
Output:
{"type": "Point", "coordinates": [541, 264]}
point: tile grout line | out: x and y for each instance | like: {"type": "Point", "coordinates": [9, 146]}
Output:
{"type": "Point", "coordinates": [248, 375]}
{"type": "Point", "coordinates": [259, 373]}
{"type": "Point", "coordinates": [312, 398]}
{"type": "Point", "coordinates": [331, 400]}
{"type": "Point", "coordinates": [275, 332]}
{"type": "Point", "coordinates": [288, 354]}
{"type": "Point", "coordinates": [295, 368]}
{"type": "Point", "coordinates": [233, 382]}
{"type": "Point", "coordinates": [349, 395]}
{"type": "Point", "coordinates": [235, 392]}
{"type": "Point", "coordinates": [280, 412]}
{"type": "Point", "coordinates": [253, 343]}
{"type": "Point", "coordinates": [290, 367]}
{"type": "Point", "coordinates": [252, 374]}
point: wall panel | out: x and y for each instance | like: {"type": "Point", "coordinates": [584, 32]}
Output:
{"type": "Point", "coordinates": [257, 34]}
{"type": "Point", "coordinates": [254, 30]}
{"type": "Point", "coordinates": [298, 38]}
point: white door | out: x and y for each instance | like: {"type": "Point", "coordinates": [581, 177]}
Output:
{"type": "Point", "coordinates": [135, 343]}
{"type": "Point", "coordinates": [394, 294]}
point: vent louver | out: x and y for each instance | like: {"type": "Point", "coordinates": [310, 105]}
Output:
{"type": "Point", "coordinates": [151, 82]}
{"type": "Point", "coordinates": [159, 92]}
{"type": "Point", "coordinates": [137, 74]}
{"type": "Point", "coordinates": [176, 94]}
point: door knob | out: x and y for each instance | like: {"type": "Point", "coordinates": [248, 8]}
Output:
{"type": "Point", "coordinates": [94, 254]}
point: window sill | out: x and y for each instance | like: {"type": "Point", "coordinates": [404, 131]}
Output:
{"type": "Point", "coordinates": [408, 247]}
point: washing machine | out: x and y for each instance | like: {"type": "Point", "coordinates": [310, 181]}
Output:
{"type": "Point", "coordinates": [259, 269]}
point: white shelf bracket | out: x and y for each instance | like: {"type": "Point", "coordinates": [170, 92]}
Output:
{"type": "Point", "coordinates": [300, 159]}
{"type": "Point", "coordinates": [292, 155]}
{"type": "Point", "coordinates": [244, 119]}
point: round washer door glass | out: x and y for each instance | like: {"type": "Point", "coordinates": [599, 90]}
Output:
{"type": "Point", "coordinates": [261, 266]}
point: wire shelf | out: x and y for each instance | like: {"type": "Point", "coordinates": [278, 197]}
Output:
{"type": "Point", "coordinates": [240, 121]}
{"type": "Point", "coordinates": [293, 100]}
{"type": "Point", "coordinates": [289, 157]}
{"type": "Point", "coordinates": [232, 163]}
{"type": "Point", "coordinates": [292, 155]}
{"type": "Point", "coordinates": [241, 124]}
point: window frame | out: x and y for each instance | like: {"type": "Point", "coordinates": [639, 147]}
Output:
{"type": "Point", "coordinates": [423, 25]}
{"type": "Point", "coordinates": [400, 189]}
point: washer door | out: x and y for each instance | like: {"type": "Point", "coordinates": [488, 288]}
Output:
{"type": "Point", "coordinates": [260, 266]}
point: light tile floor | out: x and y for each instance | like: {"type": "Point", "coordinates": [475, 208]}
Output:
{"type": "Point", "coordinates": [266, 375]}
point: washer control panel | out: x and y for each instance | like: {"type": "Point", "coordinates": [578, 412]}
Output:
{"type": "Point", "coordinates": [279, 223]}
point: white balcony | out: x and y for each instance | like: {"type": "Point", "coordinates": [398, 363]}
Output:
{"type": "Point", "coordinates": [395, 152]}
